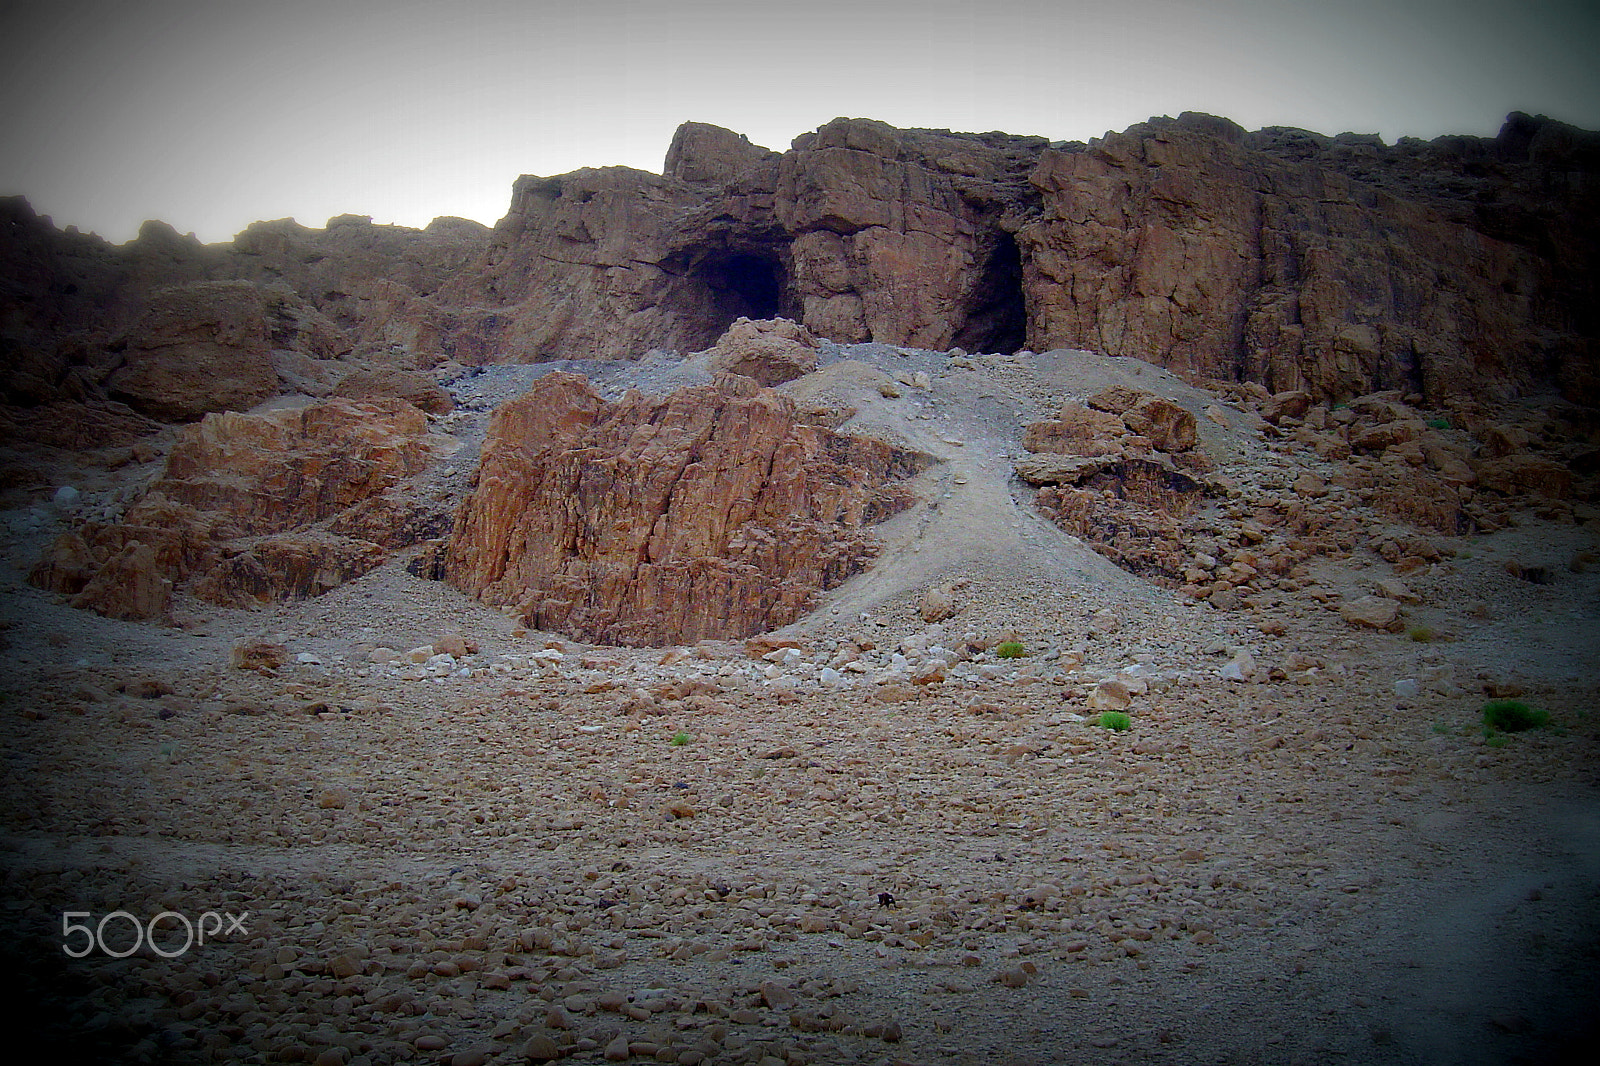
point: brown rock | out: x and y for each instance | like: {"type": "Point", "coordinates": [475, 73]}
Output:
{"type": "Point", "coordinates": [1522, 474]}
{"type": "Point", "coordinates": [129, 586]}
{"type": "Point", "coordinates": [705, 154]}
{"type": "Point", "coordinates": [1118, 399]}
{"type": "Point", "coordinates": [1131, 511]}
{"type": "Point", "coordinates": [666, 520]}
{"type": "Point", "coordinates": [259, 655]}
{"type": "Point", "coordinates": [198, 348]}
{"type": "Point", "coordinates": [1169, 427]}
{"type": "Point", "coordinates": [291, 566]}
{"type": "Point", "coordinates": [278, 470]}
{"type": "Point", "coordinates": [66, 566]}
{"type": "Point", "coordinates": [1293, 403]}
{"type": "Point", "coordinates": [419, 390]}
{"type": "Point", "coordinates": [770, 351]}
{"type": "Point", "coordinates": [1078, 430]}
{"type": "Point", "coordinates": [937, 605]}
{"type": "Point", "coordinates": [1371, 612]}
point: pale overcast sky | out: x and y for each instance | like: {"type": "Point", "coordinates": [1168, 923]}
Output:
{"type": "Point", "coordinates": [211, 114]}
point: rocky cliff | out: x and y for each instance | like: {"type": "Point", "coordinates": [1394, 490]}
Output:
{"type": "Point", "coordinates": [1457, 270]}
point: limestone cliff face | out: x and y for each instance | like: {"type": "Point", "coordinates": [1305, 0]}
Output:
{"type": "Point", "coordinates": [710, 512]}
{"type": "Point", "coordinates": [1460, 270]}
{"type": "Point", "coordinates": [1330, 266]}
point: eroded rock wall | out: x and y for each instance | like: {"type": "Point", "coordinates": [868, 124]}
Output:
{"type": "Point", "coordinates": [1333, 266]}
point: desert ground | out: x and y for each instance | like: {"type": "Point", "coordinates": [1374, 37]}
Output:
{"type": "Point", "coordinates": [864, 838]}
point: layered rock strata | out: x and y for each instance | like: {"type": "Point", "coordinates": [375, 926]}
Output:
{"type": "Point", "coordinates": [714, 511]}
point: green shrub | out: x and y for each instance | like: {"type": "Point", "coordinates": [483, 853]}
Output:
{"type": "Point", "coordinates": [679, 739]}
{"type": "Point", "coordinates": [1114, 720]}
{"type": "Point", "coordinates": [1499, 740]}
{"type": "Point", "coordinates": [1512, 716]}
{"type": "Point", "coordinates": [1010, 649]}
{"type": "Point", "coordinates": [1422, 634]}
{"type": "Point", "coordinates": [1438, 423]}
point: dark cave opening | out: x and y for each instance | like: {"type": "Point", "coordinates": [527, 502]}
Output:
{"type": "Point", "coordinates": [996, 313]}
{"type": "Point", "coordinates": [742, 285]}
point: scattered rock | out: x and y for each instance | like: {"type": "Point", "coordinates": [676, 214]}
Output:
{"type": "Point", "coordinates": [1371, 612]}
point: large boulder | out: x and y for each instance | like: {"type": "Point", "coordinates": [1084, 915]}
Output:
{"type": "Point", "coordinates": [770, 351]}
{"type": "Point", "coordinates": [272, 471]}
{"type": "Point", "coordinates": [668, 519]}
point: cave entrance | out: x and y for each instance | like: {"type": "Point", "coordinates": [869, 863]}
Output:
{"type": "Point", "coordinates": [996, 313]}
{"type": "Point", "coordinates": [741, 285]}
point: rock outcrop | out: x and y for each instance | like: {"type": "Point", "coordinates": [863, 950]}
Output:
{"type": "Point", "coordinates": [234, 517]}
{"type": "Point", "coordinates": [1119, 472]}
{"type": "Point", "coordinates": [1459, 271]}
{"type": "Point", "coordinates": [713, 511]}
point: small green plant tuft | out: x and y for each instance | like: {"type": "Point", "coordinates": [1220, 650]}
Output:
{"type": "Point", "coordinates": [1438, 423]}
{"type": "Point", "coordinates": [1422, 634]}
{"type": "Point", "coordinates": [679, 739]}
{"type": "Point", "coordinates": [1010, 649]}
{"type": "Point", "coordinates": [1499, 740]}
{"type": "Point", "coordinates": [1440, 727]}
{"type": "Point", "coordinates": [1114, 720]}
{"type": "Point", "coordinates": [1513, 716]}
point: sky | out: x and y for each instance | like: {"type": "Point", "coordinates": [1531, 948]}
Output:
{"type": "Point", "coordinates": [212, 114]}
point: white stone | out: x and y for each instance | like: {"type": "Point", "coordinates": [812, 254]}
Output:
{"type": "Point", "coordinates": [1406, 688]}
{"type": "Point", "coordinates": [1242, 667]}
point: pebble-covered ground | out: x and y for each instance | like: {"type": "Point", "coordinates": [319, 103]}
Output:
{"type": "Point", "coordinates": [869, 839]}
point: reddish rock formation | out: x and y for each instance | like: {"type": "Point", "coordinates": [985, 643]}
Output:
{"type": "Point", "coordinates": [770, 351]}
{"type": "Point", "coordinates": [1459, 270]}
{"type": "Point", "coordinates": [129, 586]}
{"type": "Point", "coordinates": [663, 520]}
{"type": "Point", "coordinates": [277, 470]}
{"type": "Point", "coordinates": [232, 517]}
{"type": "Point", "coordinates": [197, 348]}
{"type": "Point", "coordinates": [1108, 474]}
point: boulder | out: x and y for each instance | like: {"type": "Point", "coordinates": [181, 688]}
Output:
{"type": "Point", "coordinates": [130, 586]}
{"type": "Point", "coordinates": [771, 351]}
{"type": "Point", "coordinates": [1169, 427]}
{"type": "Point", "coordinates": [1371, 612]}
{"type": "Point", "coordinates": [291, 566]}
{"type": "Point", "coordinates": [417, 389]}
{"type": "Point", "coordinates": [272, 471]}
{"type": "Point", "coordinates": [710, 155]}
{"type": "Point", "coordinates": [1078, 430]}
{"type": "Point", "coordinates": [230, 512]}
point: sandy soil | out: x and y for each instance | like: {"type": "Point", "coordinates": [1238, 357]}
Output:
{"type": "Point", "coordinates": [703, 855]}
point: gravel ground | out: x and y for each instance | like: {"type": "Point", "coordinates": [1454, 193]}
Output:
{"type": "Point", "coordinates": [516, 847]}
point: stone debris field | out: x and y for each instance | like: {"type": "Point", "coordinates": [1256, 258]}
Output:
{"type": "Point", "coordinates": [888, 829]}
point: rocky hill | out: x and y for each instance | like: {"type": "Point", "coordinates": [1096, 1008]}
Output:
{"type": "Point", "coordinates": [681, 623]}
